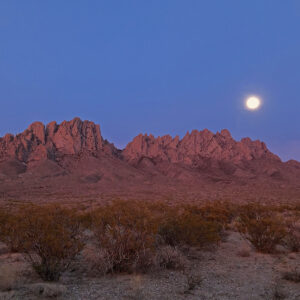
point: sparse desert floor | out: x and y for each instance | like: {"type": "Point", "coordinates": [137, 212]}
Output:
{"type": "Point", "coordinates": [233, 270]}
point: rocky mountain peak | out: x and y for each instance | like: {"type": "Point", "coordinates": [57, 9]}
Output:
{"type": "Point", "coordinates": [71, 157]}
{"type": "Point", "coordinates": [194, 146]}
{"type": "Point", "coordinates": [53, 140]}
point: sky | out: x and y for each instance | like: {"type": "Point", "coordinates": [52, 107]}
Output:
{"type": "Point", "coordinates": [160, 67]}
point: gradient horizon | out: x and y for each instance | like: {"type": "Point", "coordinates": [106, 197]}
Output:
{"type": "Point", "coordinates": [160, 67]}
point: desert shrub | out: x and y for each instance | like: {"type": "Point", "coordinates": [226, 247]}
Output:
{"type": "Point", "coordinates": [262, 227]}
{"type": "Point", "coordinates": [190, 225]}
{"type": "Point", "coordinates": [11, 230]}
{"type": "Point", "coordinates": [217, 211]}
{"type": "Point", "coordinates": [95, 261]}
{"type": "Point", "coordinates": [3, 216]}
{"type": "Point", "coordinates": [125, 248]}
{"type": "Point", "coordinates": [126, 233]}
{"type": "Point", "coordinates": [53, 240]}
{"type": "Point", "coordinates": [167, 257]}
{"type": "Point", "coordinates": [169, 227]}
{"type": "Point", "coordinates": [86, 218]}
{"type": "Point", "coordinates": [48, 235]}
{"type": "Point", "coordinates": [292, 238]}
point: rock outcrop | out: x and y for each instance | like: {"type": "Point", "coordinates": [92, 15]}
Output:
{"type": "Point", "coordinates": [53, 141]}
{"type": "Point", "coordinates": [195, 146]}
{"type": "Point", "coordinates": [40, 142]}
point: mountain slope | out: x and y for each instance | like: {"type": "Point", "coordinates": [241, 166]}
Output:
{"type": "Point", "coordinates": [71, 161]}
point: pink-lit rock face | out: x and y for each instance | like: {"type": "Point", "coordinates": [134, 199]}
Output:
{"type": "Point", "coordinates": [74, 137]}
{"type": "Point", "coordinates": [194, 146]}
{"type": "Point", "coordinates": [39, 142]}
{"type": "Point", "coordinates": [71, 158]}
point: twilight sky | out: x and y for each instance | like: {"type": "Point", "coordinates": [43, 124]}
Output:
{"type": "Point", "coordinates": [153, 67]}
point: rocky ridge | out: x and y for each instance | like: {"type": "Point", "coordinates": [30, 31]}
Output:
{"type": "Point", "coordinates": [195, 146]}
{"type": "Point", "coordinates": [40, 142]}
{"type": "Point", "coordinates": [71, 159]}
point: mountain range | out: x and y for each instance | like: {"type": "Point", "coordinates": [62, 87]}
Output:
{"type": "Point", "coordinates": [71, 161]}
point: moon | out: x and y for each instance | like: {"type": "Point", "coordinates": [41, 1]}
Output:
{"type": "Point", "coordinates": [253, 103]}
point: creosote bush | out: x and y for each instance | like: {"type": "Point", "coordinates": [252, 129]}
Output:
{"type": "Point", "coordinates": [292, 238]}
{"type": "Point", "coordinates": [10, 228]}
{"type": "Point", "coordinates": [126, 232]}
{"type": "Point", "coordinates": [131, 233]}
{"type": "Point", "coordinates": [262, 227]}
{"type": "Point", "coordinates": [192, 226]}
{"type": "Point", "coordinates": [47, 235]}
{"type": "Point", "coordinates": [167, 257]}
{"type": "Point", "coordinates": [130, 236]}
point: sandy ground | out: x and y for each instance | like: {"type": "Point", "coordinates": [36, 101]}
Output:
{"type": "Point", "coordinates": [233, 271]}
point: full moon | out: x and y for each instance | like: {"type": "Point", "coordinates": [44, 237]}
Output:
{"type": "Point", "coordinates": [253, 103]}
